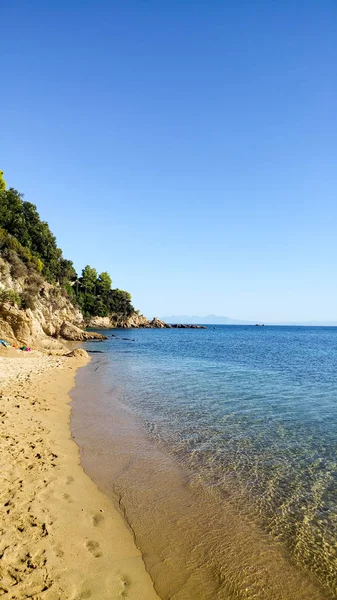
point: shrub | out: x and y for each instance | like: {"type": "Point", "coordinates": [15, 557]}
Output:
{"type": "Point", "coordinates": [34, 281]}
{"type": "Point", "coordinates": [11, 297]}
{"type": "Point", "coordinates": [4, 269]}
{"type": "Point", "coordinates": [17, 268]}
{"type": "Point", "coordinates": [27, 299]}
{"type": "Point", "coordinates": [10, 246]}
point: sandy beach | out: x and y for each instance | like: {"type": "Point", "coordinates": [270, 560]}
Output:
{"type": "Point", "coordinates": [61, 538]}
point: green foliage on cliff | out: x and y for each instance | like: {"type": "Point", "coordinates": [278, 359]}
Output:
{"type": "Point", "coordinates": [28, 245]}
{"type": "Point", "coordinates": [21, 220]}
{"type": "Point", "coordinates": [95, 296]}
{"type": "Point", "coordinates": [2, 181]}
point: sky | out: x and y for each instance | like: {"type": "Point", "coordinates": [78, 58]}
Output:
{"type": "Point", "coordinates": [187, 147]}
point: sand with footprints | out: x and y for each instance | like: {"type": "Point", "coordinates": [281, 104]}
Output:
{"type": "Point", "coordinates": [61, 538]}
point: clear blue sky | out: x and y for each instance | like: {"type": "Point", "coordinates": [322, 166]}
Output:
{"type": "Point", "coordinates": [187, 147]}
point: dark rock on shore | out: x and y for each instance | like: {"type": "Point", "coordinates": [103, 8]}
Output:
{"type": "Point", "coordinates": [182, 326]}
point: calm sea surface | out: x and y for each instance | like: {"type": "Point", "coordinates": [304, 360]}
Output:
{"type": "Point", "coordinates": [235, 427]}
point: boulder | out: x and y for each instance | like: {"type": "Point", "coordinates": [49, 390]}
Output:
{"type": "Point", "coordinates": [68, 331]}
{"type": "Point", "coordinates": [78, 353]}
{"type": "Point", "coordinates": [157, 323]}
{"type": "Point", "coordinates": [15, 325]}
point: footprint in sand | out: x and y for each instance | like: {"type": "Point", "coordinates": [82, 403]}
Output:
{"type": "Point", "coordinates": [97, 519]}
{"type": "Point", "coordinates": [94, 548]}
{"type": "Point", "coordinates": [81, 595]}
{"type": "Point", "coordinates": [125, 582]}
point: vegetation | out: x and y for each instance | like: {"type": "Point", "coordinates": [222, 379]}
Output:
{"type": "Point", "coordinates": [10, 296]}
{"type": "Point", "coordinates": [2, 181]}
{"type": "Point", "coordinates": [95, 296]}
{"type": "Point", "coordinates": [30, 248]}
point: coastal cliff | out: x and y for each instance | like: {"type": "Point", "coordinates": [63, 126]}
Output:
{"type": "Point", "coordinates": [42, 298]}
{"type": "Point", "coordinates": [33, 310]}
{"type": "Point", "coordinates": [136, 321]}
{"type": "Point", "coordinates": [133, 321]}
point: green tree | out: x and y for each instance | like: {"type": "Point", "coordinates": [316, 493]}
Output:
{"type": "Point", "coordinates": [120, 302]}
{"type": "Point", "coordinates": [89, 279]}
{"type": "Point", "coordinates": [104, 283]}
{"type": "Point", "coordinates": [27, 243]}
{"type": "Point", "coordinates": [21, 220]}
{"type": "Point", "coordinates": [67, 272]}
{"type": "Point", "coordinates": [2, 181]}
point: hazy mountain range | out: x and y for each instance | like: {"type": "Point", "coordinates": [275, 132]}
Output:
{"type": "Point", "coordinates": [216, 320]}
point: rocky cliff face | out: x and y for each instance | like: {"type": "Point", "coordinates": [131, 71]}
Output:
{"type": "Point", "coordinates": [33, 311]}
{"type": "Point", "coordinates": [48, 312]}
{"type": "Point", "coordinates": [115, 320]}
{"type": "Point", "coordinates": [135, 321]}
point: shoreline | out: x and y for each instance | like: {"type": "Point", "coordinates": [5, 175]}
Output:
{"type": "Point", "coordinates": [61, 536]}
{"type": "Point", "coordinates": [196, 542]}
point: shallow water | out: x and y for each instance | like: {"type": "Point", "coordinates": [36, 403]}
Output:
{"type": "Point", "coordinates": [220, 445]}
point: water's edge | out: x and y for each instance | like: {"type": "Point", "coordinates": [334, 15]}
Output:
{"type": "Point", "coordinates": [113, 496]}
{"type": "Point", "coordinates": [189, 552]}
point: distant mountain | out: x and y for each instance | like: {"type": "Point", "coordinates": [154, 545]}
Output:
{"type": "Point", "coordinates": [215, 320]}
{"type": "Point", "coordinates": [208, 320]}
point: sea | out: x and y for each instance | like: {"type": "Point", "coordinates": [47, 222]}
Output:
{"type": "Point", "coordinates": [219, 446]}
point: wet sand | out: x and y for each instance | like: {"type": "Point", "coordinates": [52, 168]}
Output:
{"type": "Point", "coordinates": [197, 543]}
{"type": "Point", "coordinates": [61, 538]}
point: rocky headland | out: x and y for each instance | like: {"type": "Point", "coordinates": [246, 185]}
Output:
{"type": "Point", "coordinates": [136, 321]}
{"type": "Point", "coordinates": [51, 317]}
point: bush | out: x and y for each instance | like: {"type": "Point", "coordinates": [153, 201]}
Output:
{"type": "Point", "coordinates": [68, 292]}
{"type": "Point", "coordinates": [27, 300]}
{"type": "Point", "coordinates": [10, 246]}
{"type": "Point", "coordinates": [17, 268]}
{"type": "Point", "coordinates": [35, 282]}
{"type": "Point", "coordinates": [11, 297]}
{"type": "Point", "coordinates": [4, 269]}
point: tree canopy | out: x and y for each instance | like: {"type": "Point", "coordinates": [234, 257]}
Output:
{"type": "Point", "coordinates": [23, 233]}
{"type": "Point", "coordinates": [95, 296]}
{"type": "Point", "coordinates": [2, 181]}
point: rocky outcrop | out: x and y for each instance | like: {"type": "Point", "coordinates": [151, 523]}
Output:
{"type": "Point", "coordinates": [50, 311]}
{"type": "Point", "coordinates": [77, 353]}
{"type": "Point", "coordinates": [136, 321]}
{"type": "Point", "coordinates": [23, 327]}
{"type": "Point", "coordinates": [139, 321]}
{"type": "Point", "coordinates": [68, 331]}
{"type": "Point", "coordinates": [114, 320]}
{"type": "Point", "coordinates": [100, 323]}
{"type": "Point", "coordinates": [158, 324]}
{"type": "Point", "coordinates": [15, 325]}
{"type": "Point", "coordinates": [133, 322]}
{"type": "Point", "coordinates": [47, 313]}
{"type": "Point", "coordinates": [182, 326]}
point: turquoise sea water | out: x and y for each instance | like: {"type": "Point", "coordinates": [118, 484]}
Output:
{"type": "Point", "coordinates": [250, 409]}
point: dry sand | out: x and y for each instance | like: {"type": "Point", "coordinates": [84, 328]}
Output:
{"type": "Point", "coordinates": [60, 537]}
